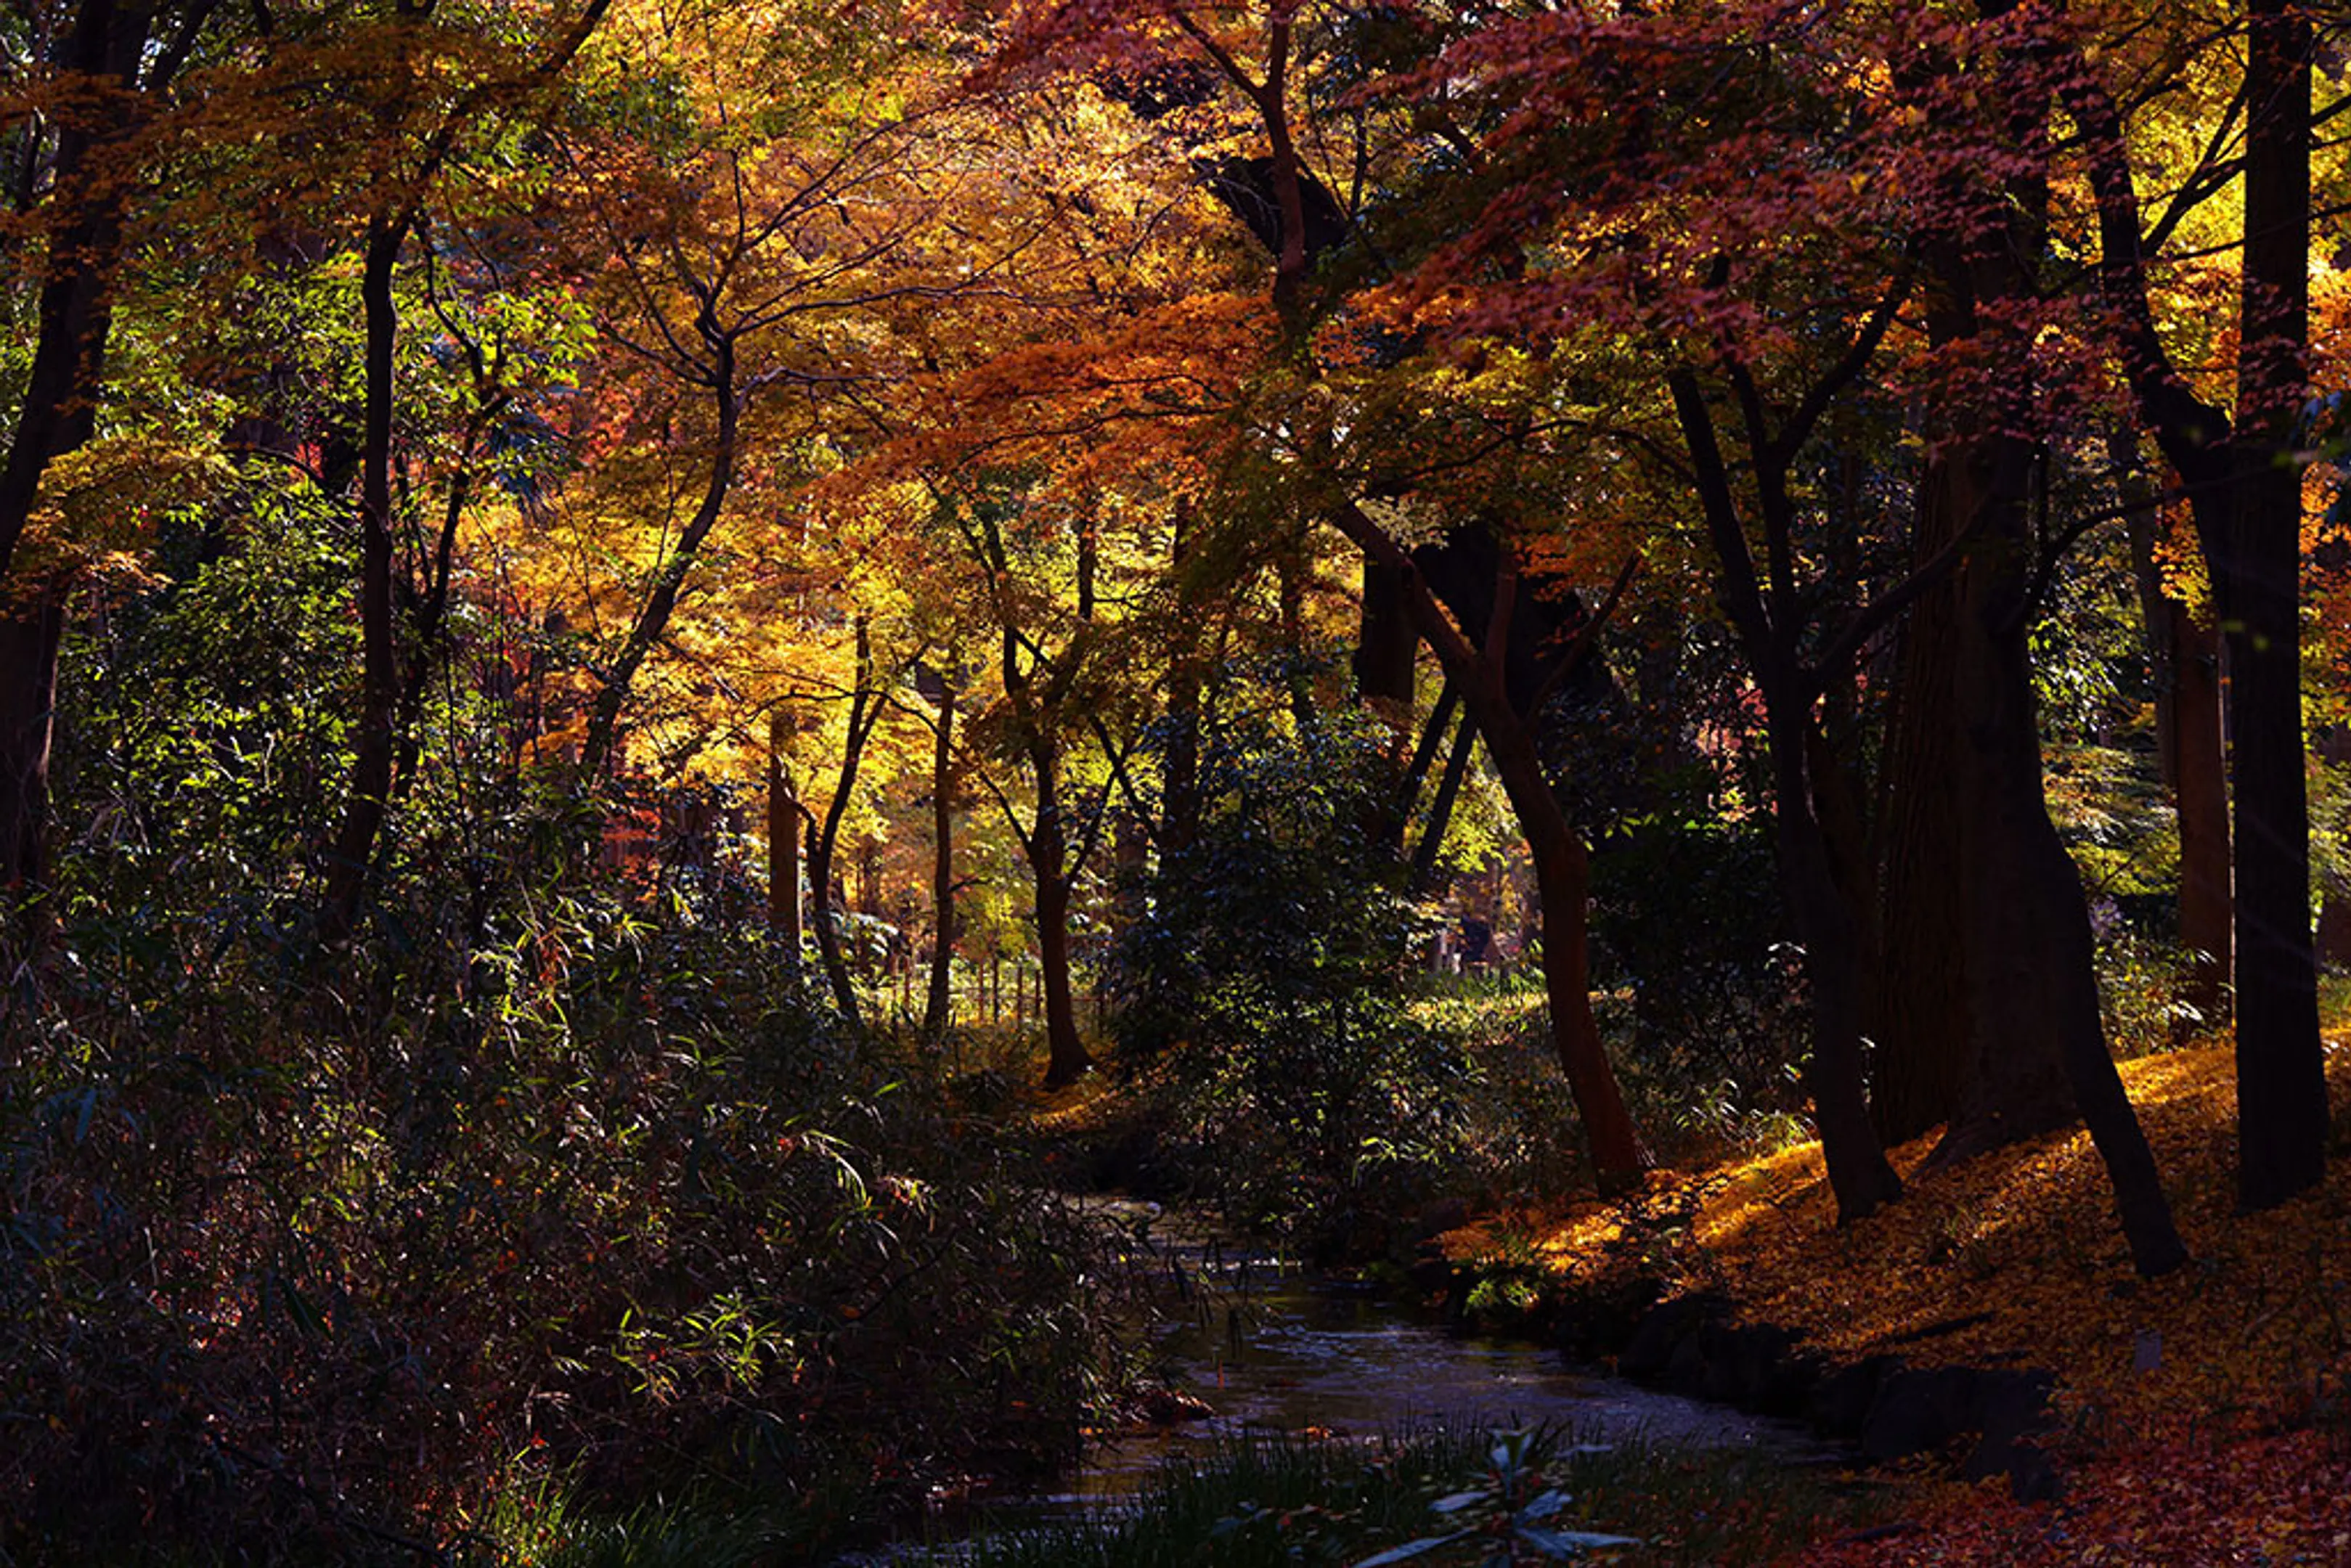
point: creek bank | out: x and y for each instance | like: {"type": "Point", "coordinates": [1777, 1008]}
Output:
{"type": "Point", "coordinates": [1982, 1420]}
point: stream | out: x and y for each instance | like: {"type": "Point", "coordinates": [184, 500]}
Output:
{"type": "Point", "coordinates": [1270, 1347]}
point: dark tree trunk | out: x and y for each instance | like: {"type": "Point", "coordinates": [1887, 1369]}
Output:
{"type": "Point", "coordinates": [371, 766]}
{"type": "Point", "coordinates": [937, 1006]}
{"type": "Point", "coordinates": [76, 314]}
{"type": "Point", "coordinates": [865, 712]}
{"type": "Point", "coordinates": [2200, 797]}
{"type": "Point", "coordinates": [2281, 1070]}
{"type": "Point", "coordinates": [2244, 486]}
{"type": "Point", "coordinates": [30, 634]}
{"type": "Point", "coordinates": [1422, 881]}
{"type": "Point", "coordinates": [2032, 980]}
{"type": "Point", "coordinates": [1830, 927]}
{"type": "Point", "coordinates": [783, 846]}
{"type": "Point", "coordinates": [669, 580]}
{"type": "Point", "coordinates": [1047, 844]}
{"type": "Point", "coordinates": [1066, 1058]}
{"type": "Point", "coordinates": [2011, 1081]}
{"type": "Point", "coordinates": [1562, 883]}
{"type": "Point", "coordinates": [1384, 640]}
{"type": "Point", "coordinates": [2035, 990]}
{"type": "Point", "coordinates": [1918, 997]}
{"type": "Point", "coordinates": [57, 414]}
{"type": "Point", "coordinates": [1768, 621]}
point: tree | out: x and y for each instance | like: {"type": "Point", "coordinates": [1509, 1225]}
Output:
{"type": "Point", "coordinates": [2244, 491]}
{"type": "Point", "coordinates": [110, 73]}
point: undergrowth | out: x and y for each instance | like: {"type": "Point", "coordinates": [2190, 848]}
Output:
{"type": "Point", "coordinates": [301, 1259]}
{"type": "Point", "coordinates": [1466, 1492]}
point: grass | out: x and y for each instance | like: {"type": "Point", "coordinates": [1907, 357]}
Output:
{"type": "Point", "coordinates": [1289, 1499]}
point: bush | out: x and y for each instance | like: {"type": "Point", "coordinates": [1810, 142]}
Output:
{"type": "Point", "coordinates": [548, 1179]}
{"type": "Point", "coordinates": [1689, 944]}
{"type": "Point", "coordinates": [644, 1217]}
{"type": "Point", "coordinates": [1261, 976]}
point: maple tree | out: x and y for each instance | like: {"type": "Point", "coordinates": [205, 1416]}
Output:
{"type": "Point", "coordinates": [1351, 476]}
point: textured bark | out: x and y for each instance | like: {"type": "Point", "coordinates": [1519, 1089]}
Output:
{"type": "Point", "coordinates": [2031, 973]}
{"type": "Point", "coordinates": [2026, 913]}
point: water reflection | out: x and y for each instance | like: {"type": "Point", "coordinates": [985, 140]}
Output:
{"type": "Point", "coordinates": [1267, 1346]}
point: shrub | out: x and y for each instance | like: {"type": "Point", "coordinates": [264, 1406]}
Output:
{"type": "Point", "coordinates": [1262, 973]}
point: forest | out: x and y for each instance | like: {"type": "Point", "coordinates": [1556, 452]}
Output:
{"type": "Point", "coordinates": [738, 739]}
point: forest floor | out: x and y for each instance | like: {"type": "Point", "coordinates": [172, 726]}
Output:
{"type": "Point", "coordinates": [2204, 1418]}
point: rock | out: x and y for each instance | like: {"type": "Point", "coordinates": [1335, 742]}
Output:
{"type": "Point", "coordinates": [1841, 1400]}
{"type": "Point", "coordinates": [1596, 1323]}
{"type": "Point", "coordinates": [1691, 1344]}
{"type": "Point", "coordinates": [1658, 1338]}
{"type": "Point", "coordinates": [2010, 1408]}
{"type": "Point", "coordinates": [1917, 1411]}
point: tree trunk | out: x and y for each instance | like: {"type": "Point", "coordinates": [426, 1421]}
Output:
{"type": "Point", "coordinates": [1421, 880]}
{"type": "Point", "coordinates": [669, 581]}
{"type": "Point", "coordinates": [1066, 1059]}
{"type": "Point", "coordinates": [2282, 1109]}
{"type": "Point", "coordinates": [1767, 622]}
{"type": "Point", "coordinates": [2032, 957]}
{"type": "Point", "coordinates": [2036, 991]}
{"type": "Point", "coordinates": [31, 631]}
{"type": "Point", "coordinates": [1918, 996]}
{"type": "Point", "coordinates": [783, 846]}
{"type": "Point", "coordinates": [1562, 870]}
{"type": "Point", "coordinates": [371, 792]}
{"type": "Point", "coordinates": [1384, 640]}
{"type": "Point", "coordinates": [76, 314]}
{"type": "Point", "coordinates": [2244, 487]}
{"type": "Point", "coordinates": [1563, 884]}
{"type": "Point", "coordinates": [57, 414]}
{"type": "Point", "coordinates": [938, 1003]}
{"type": "Point", "coordinates": [865, 711]}
{"type": "Point", "coordinates": [2012, 1082]}
{"type": "Point", "coordinates": [1830, 927]}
